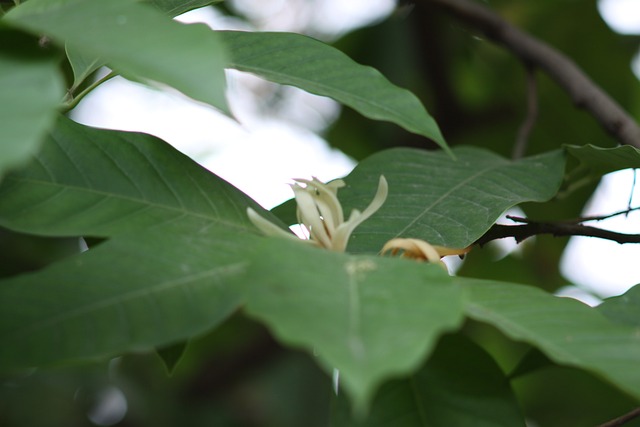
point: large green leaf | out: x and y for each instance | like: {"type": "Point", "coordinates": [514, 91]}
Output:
{"type": "Point", "coordinates": [566, 330]}
{"type": "Point", "coordinates": [460, 385]}
{"type": "Point", "coordinates": [300, 61]}
{"type": "Point", "coordinates": [131, 293]}
{"type": "Point", "coordinates": [624, 308]}
{"type": "Point", "coordinates": [444, 201]}
{"type": "Point", "coordinates": [97, 182]}
{"type": "Point", "coordinates": [370, 318]}
{"type": "Point", "coordinates": [31, 89]}
{"type": "Point", "coordinates": [136, 40]}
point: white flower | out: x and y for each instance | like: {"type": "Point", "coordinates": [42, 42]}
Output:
{"type": "Point", "coordinates": [320, 213]}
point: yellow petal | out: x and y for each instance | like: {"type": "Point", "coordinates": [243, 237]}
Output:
{"type": "Point", "coordinates": [420, 250]}
{"type": "Point", "coordinates": [412, 248]}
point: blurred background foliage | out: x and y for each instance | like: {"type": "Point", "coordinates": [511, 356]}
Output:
{"type": "Point", "coordinates": [238, 375]}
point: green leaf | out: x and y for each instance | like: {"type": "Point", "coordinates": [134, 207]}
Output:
{"type": "Point", "coordinates": [532, 361]}
{"type": "Point", "coordinates": [443, 201]}
{"type": "Point", "coordinates": [601, 160]}
{"type": "Point", "coordinates": [132, 293]}
{"type": "Point", "coordinates": [136, 40]}
{"type": "Point", "coordinates": [566, 330]}
{"type": "Point", "coordinates": [460, 385]}
{"type": "Point", "coordinates": [82, 65]}
{"type": "Point", "coordinates": [297, 60]}
{"type": "Point", "coordinates": [593, 162]}
{"type": "Point", "coordinates": [97, 182]}
{"type": "Point", "coordinates": [178, 7]}
{"type": "Point", "coordinates": [286, 212]}
{"type": "Point", "coordinates": [31, 90]}
{"type": "Point", "coordinates": [369, 317]}
{"type": "Point", "coordinates": [623, 309]}
{"type": "Point", "coordinates": [171, 355]}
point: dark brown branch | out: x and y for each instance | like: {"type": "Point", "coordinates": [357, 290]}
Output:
{"type": "Point", "coordinates": [557, 229]}
{"type": "Point", "coordinates": [582, 90]}
{"type": "Point", "coordinates": [623, 419]}
{"type": "Point", "coordinates": [525, 130]}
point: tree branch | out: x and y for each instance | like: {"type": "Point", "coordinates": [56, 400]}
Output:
{"type": "Point", "coordinates": [557, 229]}
{"type": "Point", "coordinates": [582, 90]}
{"type": "Point", "coordinates": [623, 419]}
{"type": "Point", "coordinates": [584, 218]}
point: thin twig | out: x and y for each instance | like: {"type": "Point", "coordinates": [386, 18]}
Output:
{"type": "Point", "coordinates": [526, 128]}
{"type": "Point", "coordinates": [582, 90]}
{"type": "Point", "coordinates": [581, 219]}
{"type": "Point", "coordinates": [530, 228]}
{"type": "Point", "coordinates": [633, 189]}
{"type": "Point", "coordinates": [623, 419]}
{"type": "Point", "coordinates": [70, 105]}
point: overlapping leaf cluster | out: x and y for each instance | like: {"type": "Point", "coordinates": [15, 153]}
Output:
{"type": "Point", "coordinates": [180, 254]}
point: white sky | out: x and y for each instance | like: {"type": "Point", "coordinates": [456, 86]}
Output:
{"type": "Point", "coordinates": [261, 153]}
{"type": "Point", "coordinates": [602, 266]}
{"type": "Point", "coordinates": [622, 16]}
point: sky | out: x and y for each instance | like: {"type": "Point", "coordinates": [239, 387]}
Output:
{"type": "Point", "coordinates": [284, 143]}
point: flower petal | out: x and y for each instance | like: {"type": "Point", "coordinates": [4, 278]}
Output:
{"type": "Point", "coordinates": [310, 216]}
{"type": "Point", "coordinates": [267, 227]}
{"type": "Point", "coordinates": [412, 248]}
{"type": "Point", "coordinates": [326, 198]}
{"type": "Point", "coordinates": [344, 230]}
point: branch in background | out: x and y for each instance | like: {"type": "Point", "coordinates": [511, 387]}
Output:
{"type": "Point", "coordinates": [633, 189]}
{"type": "Point", "coordinates": [532, 114]}
{"type": "Point", "coordinates": [623, 419]}
{"type": "Point", "coordinates": [557, 229]}
{"type": "Point", "coordinates": [582, 90]}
